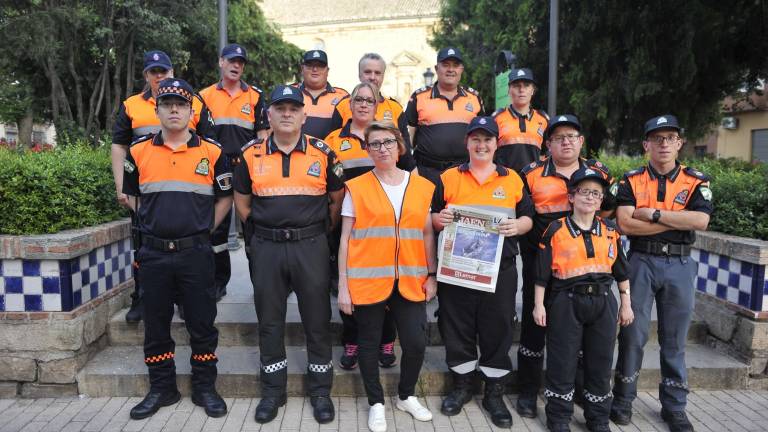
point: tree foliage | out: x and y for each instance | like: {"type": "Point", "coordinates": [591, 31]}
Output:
{"type": "Point", "coordinates": [73, 62]}
{"type": "Point", "coordinates": [620, 62]}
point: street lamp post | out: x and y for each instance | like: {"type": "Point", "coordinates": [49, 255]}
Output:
{"type": "Point", "coordinates": [222, 24]}
{"type": "Point", "coordinates": [552, 93]}
{"type": "Point", "coordinates": [429, 77]}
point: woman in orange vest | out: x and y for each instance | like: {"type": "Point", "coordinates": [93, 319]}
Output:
{"type": "Point", "coordinates": [580, 255]}
{"type": "Point", "coordinates": [387, 262]}
{"type": "Point", "coordinates": [347, 143]}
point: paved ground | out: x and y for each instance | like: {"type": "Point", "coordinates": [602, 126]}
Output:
{"type": "Point", "coordinates": [709, 410]}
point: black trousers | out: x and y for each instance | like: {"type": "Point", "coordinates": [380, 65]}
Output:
{"type": "Point", "coordinates": [277, 268]}
{"type": "Point", "coordinates": [219, 240]}
{"type": "Point", "coordinates": [186, 275]}
{"type": "Point", "coordinates": [530, 353]}
{"type": "Point", "coordinates": [580, 322]}
{"type": "Point", "coordinates": [411, 320]}
{"type": "Point", "coordinates": [469, 318]}
{"type": "Point", "coordinates": [137, 291]}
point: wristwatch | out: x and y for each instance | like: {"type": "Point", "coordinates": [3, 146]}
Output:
{"type": "Point", "coordinates": [656, 216]}
{"type": "Point", "coordinates": [431, 274]}
{"type": "Point", "coordinates": [626, 291]}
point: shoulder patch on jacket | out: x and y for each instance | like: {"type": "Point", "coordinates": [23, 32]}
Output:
{"type": "Point", "coordinates": [552, 228]}
{"type": "Point", "coordinates": [696, 173]}
{"type": "Point", "coordinates": [497, 112]}
{"type": "Point", "coordinates": [257, 90]}
{"type": "Point", "coordinates": [211, 141]}
{"type": "Point", "coordinates": [251, 143]}
{"type": "Point", "coordinates": [422, 90]}
{"type": "Point", "coordinates": [320, 145]}
{"type": "Point", "coordinates": [143, 138]}
{"type": "Point", "coordinates": [594, 163]}
{"type": "Point", "coordinates": [634, 172]}
{"type": "Point", "coordinates": [543, 113]}
{"type": "Point", "coordinates": [473, 91]}
{"type": "Point", "coordinates": [532, 166]}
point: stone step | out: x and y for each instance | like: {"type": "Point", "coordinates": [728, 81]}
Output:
{"type": "Point", "coordinates": [120, 371]}
{"type": "Point", "coordinates": [237, 325]}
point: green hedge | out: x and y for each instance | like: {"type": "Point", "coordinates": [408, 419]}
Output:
{"type": "Point", "coordinates": [739, 192]}
{"type": "Point", "coordinates": [69, 187]}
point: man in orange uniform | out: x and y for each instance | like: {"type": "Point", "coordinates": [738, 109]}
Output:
{"type": "Point", "coordinates": [320, 97]}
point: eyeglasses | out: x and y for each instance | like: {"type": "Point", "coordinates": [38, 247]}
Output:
{"type": "Point", "coordinates": [559, 139]}
{"type": "Point", "coordinates": [659, 139]}
{"type": "Point", "coordinates": [596, 194]}
{"type": "Point", "coordinates": [363, 100]}
{"type": "Point", "coordinates": [387, 144]}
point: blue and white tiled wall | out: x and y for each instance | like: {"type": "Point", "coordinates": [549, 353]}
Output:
{"type": "Point", "coordinates": [727, 278]}
{"type": "Point", "coordinates": [63, 285]}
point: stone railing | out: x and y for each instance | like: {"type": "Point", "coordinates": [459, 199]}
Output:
{"type": "Point", "coordinates": [57, 293]}
{"type": "Point", "coordinates": [732, 298]}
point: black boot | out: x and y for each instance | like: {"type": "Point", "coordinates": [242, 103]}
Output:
{"type": "Point", "coordinates": [621, 415]}
{"type": "Point", "coordinates": [526, 405]}
{"type": "Point", "coordinates": [136, 311]}
{"type": "Point", "coordinates": [153, 401]}
{"type": "Point", "coordinates": [493, 402]}
{"type": "Point", "coordinates": [266, 410]}
{"type": "Point", "coordinates": [210, 400]}
{"type": "Point", "coordinates": [677, 421]}
{"type": "Point", "coordinates": [322, 409]}
{"type": "Point", "coordinates": [461, 394]}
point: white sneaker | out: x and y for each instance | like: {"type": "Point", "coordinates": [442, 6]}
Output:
{"type": "Point", "coordinates": [414, 408]}
{"type": "Point", "coordinates": [376, 420]}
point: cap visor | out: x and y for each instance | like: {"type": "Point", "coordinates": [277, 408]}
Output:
{"type": "Point", "coordinates": [235, 55]}
{"type": "Point", "coordinates": [281, 100]}
{"type": "Point", "coordinates": [154, 65]}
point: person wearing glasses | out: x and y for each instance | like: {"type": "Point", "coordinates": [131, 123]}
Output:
{"type": "Point", "coordinates": [320, 97]}
{"type": "Point", "coordinates": [349, 146]}
{"type": "Point", "coordinates": [580, 256]}
{"type": "Point", "coordinates": [660, 206]}
{"type": "Point", "coordinates": [547, 183]}
{"type": "Point", "coordinates": [387, 264]}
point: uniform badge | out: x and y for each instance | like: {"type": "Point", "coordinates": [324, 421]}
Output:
{"type": "Point", "coordinates": [129, 167]}
{"type": "Point", "coordinates": [681, 197]}
{"type": "Point", "coordinates": [706, 193]}
{"type": "Point", "coordinates": [499, 193]}
{"type": "Point", "coordinates": [335, 101]}
{"type": "Point", "coordinates": [338, 169]}
{"type": "Point", "coordinates": [469, 107]}
{"type": "Point", "coordinates": [314, 169]}
{"type": "Point", "coordinates": [540, 131]}
{"type": "Point", "coordinates": [387, 115]}
{"type": "Point", "coordinates": [611, 251]}
{"type": "Point", "coordinates": [614, 189]}
{"type": "Point", "coordinates": [224, 181]}
{"type": "Point", "coordinates": [345, 145]}
{"type": "Point", "coordinates": [203, 167]}
{"type": "Point", "coordinates": [246, 109]}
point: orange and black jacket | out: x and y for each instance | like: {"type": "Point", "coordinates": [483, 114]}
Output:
{"type": "Point", "coordinates": [549, 193]}
{"type": "Point", "coordinates": [137, 118]}
{"type": "Point", "coordinates": [520, 137]}
{"type": "Point", "coordinates": [441, 123]}
{"type": "Point", "coordinates": [236, 119]}
{"type": "Point", "coordinates": [570, 256]}
{"type": "Point", "coordinates": [177, 189]}
{"type": "Point", "coordinates": [320, 110]}
{"type": "Point", "coordinates": [502, 192]}
{"type": "Point", "coordinates": [387, 109]}
{"type": "Point", "coordinates": [288, 190]}
{"type": "Point", "coordinates": [683, 188]}
{"type": "Point", "coordinates": [349, 149]}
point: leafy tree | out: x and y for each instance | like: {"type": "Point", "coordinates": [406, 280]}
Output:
{"type": "Point", "coordinates": [620, 62]}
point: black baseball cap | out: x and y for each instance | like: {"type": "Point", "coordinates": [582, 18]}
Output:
{"type": "Point", "coordinates": [157, 59]}
{"type": "Point", "coordinates": [523, 74]}
{"type": "Point", "coordinates": [315, 55]}
{"type": "Point", "coordinates": [286, 93]}
{"type": "Point", "coordinates": [560, 120]}
{"type": "Point", "coordinates": [450, 52]}
{"type": "Point", "coordinates": [487, 124]}
{"type": "Point", "coordinates": [175, 87]}
{"type": "Point", "coordinates": [233, 51]}
{"type": "Point", "coordinates": [586, 173]}
{"type": "Point", "coordinates": [667, 121]}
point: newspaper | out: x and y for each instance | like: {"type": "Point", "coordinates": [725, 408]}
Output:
{"type": "Point", "coordinates": [470, 248]}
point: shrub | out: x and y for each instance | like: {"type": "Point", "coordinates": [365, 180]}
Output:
{"type": "Point", "coordinates": [46, 192]}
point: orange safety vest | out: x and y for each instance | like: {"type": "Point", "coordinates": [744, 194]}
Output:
{"type": "Point", "coordinates": [645, 186]}
{"type": "Point", "coordinates": [388, 109]}
{"type": "Point", "coordinates": [569, 256]}
{"type": "Point", "coordinates": [140, 108]}
{"type": "Point", "coordinates": [382, 250]}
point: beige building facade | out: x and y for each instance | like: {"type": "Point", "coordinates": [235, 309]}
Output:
{"type": "Point", "coordinates": [399, 31]}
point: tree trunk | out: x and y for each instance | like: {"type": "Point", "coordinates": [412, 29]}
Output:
{"type": "Point", "coordinates": [78, 86]}
{"type": "Point", "coordinates": [129, 68]}
{"type": "Point", "coordinates": [25, 130]}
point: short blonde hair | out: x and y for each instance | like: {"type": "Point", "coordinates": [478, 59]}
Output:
{"type": "Point", "coordinates": [372, 87]}
{"type": "Point", "coordinates": [386, 126]}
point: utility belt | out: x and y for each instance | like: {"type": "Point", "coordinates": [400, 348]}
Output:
{"type": "Point", "coordinates": [175, 245]}
{"type": "Point", "coordinates": [588, 289]}
{"type": "Point", "coordinates": [288, 234]}
{"type": "Point", "coordinates": [441, 165]}
{"type": "Point", "coordinates": [660, 248]}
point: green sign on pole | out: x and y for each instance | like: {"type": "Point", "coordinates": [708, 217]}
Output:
{"type": "Point", "coordinates": [502, 90]}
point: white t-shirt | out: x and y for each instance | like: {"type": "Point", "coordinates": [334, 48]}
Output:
{"type": "Point", "coordinates": [394, 193]}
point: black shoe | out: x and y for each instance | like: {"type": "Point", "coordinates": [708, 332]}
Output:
{"type": "Point", "coordinates": [210, 400]}
{"type": "Point", "coordinates": [136, 311]}
{"type": "Point", "coordinates": [387, 357]}
{"type": "Point", "coordinates": [266, 410]}
{"type": "Point", "coordinates": [598, 427]}
{"type": "Point", "coordinates": [461, 394]}
{"type": "Point", "coordinates": [621, 416]}
{"type": "Point", "coordinates": [181, 312]}
{"type": "Point", "coordinates": [348, 360]}
{"type": "Point", "coordinates": [493, 402]}
{"type": "Point", "coordinates": [526, 406]}
{"type": "Point", "coordinates": [558, 427]}
{"type": "Point", "coordinates": [677, 421]}
{"type": "Point", "coordinates": [322, 409]}
{"type": "Point", "coordinates": [152, 402]}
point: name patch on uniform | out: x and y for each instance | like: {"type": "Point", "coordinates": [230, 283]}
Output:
{"type": "Point", "coordinates": [224, 181]}
{"type": "Point", "coordinates": [682, 197]}
{"type": "Point", "coordinates": [706, 193]}
{"type": "Point", "coordinates": [203, 167]}
{"type": "Point", "coordinates": [469, 107]}
{"type": "Point", "coordinates": [129, 167]}
{"type": "Point", "coordinates": [246, 109]}
{"type": "Point", "coordinates": [335, 101]}
{"type": "Point", "coordinates": [499, 193]}
{"type": "Point", "coordinates": [345, 145]}
{"type": "Point", "coordinates": [387, 115]}
{"type": "Point", "coordinates": [314, 169]}
{"type": "Point", "coordinates": [338, 169]}
{"type": "Point", "coordinates": [611, 251]}
{"type": "Point", "coordinates": [540, 131]}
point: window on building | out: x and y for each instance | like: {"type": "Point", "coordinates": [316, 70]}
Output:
{"type": "Point", "coordinates": [760, 145]}
{"type": "Point", "coordinates": [700, 151]}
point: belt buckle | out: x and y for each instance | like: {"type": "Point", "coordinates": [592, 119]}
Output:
{"type": "Point", "coordinates": [665, 249]}
{"type": "Point", "coordinates": [286, 234]}
{"type": "Point", "coordinates": [171, 245]}
{"type": "Point", "coordinates": [589, 290]}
